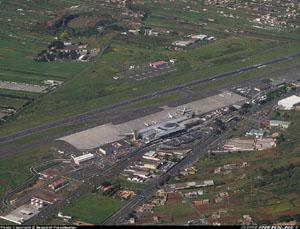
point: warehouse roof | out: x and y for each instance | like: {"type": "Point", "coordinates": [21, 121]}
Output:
{"type": "Point", "coordinates": [84, 157]}
{"type": "Point", "coordinates": [289, 102]}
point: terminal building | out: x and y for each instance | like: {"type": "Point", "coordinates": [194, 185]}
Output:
{"type": "Point", "coordinates": [166, 129]}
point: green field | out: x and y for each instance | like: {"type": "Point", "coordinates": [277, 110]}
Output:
{"type": "Point", "coordinates": [5, 222]}
{"type": "Point", "coordinates": [12, 102]}
{"type": "Point", "coordinates": [175, 209]}
{"type": "Point", "coordinates": [96, 88]}
{"type": "Point", "coordinates": [93, 208]}
{"type": "Point", "coordinates": [14, 170]}
{"type": "Point", "coordinates": [90, 85]}
{"type": "Point", "coordinates": [127, 185]}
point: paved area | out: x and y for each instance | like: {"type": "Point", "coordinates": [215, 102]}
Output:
{"type": "Point", "coordinates": [2, 115]}
{"type": "Point", "coordinates": [22, 86]}
{"type": "Point", "coordinates": [91, 114]}
{"type": "Point", "coordinates": [100, 135]}
{"type": "Point", "coordinates": [22, 213]}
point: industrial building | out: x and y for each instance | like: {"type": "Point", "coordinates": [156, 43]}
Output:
{"type": "Point", "coordinates": [279, 123]}
{"type": "Point", "coordinates": [58, 184]}
{"type": "Point", "coordinates": [199, 36]}
{"type": "Point", "coordinates": [151, 156]}
{"type": "Point", "coordinates": [185, 43]}
{"type": "Point", "coordinates": [289, 102]}
{"type": "Point", "coordinates": [248, 144]}
{"type": "Point", "coordinates": [115, 147]}
{"type": "Point", "coordinates": [192, 39]}
{"type": "Point", "coordinates": [25, 212]}
{"type": "Point", "coordinates": [141, 174]}
{"type": "Point", "coordinates": [159, 64]}
{"type": "Point", "coordinates": [83, 158]}
{"type": "Point", "coordinates": [190, 184]}
{"type": "Point", "coordinates": [257, 133]}
{"type": "Point", "coordinates": [152, 165]}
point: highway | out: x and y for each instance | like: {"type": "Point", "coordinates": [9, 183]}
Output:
{"type": "Point", "coordinates": [95, 113]}
{"type": "Point", "coordinates": [204, 146]}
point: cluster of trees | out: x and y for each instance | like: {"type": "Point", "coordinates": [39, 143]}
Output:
{"type": "Point", "coordinates": [288, 218]}
{"type": "Point", "coordinates": [278, 170]}
{"type": "Point", "coordinates": [47, 56]}
{"type": "Point", "coordinates": [281, 138]}
{"type": "Point", "coordinates": [64, 21]}
{"type": "Point", "coordinates": [137, 7]}
{"type": "Point", "coordinates": [107, 24]}
{"type": "Point", "coordinates": [277, 93]}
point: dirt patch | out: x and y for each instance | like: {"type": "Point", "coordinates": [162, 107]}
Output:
{"type": "Point", "coordinates": [38, 184]}
{"type": "Point", "coordinates": [146, 220]}
{"type": "Point", "coordinates": [47, 196]}
{"type": "Point", "coordinates": [3, 182]}
{"type": "Point", "coordinates": [57, 170]}
{"type": "Point", "coordinates": [173, 198]}
{"type": "Point", "coordinates": [185, 218]}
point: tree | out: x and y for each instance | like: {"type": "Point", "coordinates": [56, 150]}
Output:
{"type": "Point", "coordinates": [286, 116]}
{"type": "Point", "coordinates": [281, 138]}
{"type": "Point", "coordinates": [285, 218]}
{"type": "Point", "coordinates": [297, 217]}
{"type": "Point", "coordinates": [142, 30]}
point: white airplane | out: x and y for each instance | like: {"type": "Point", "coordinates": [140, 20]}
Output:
{"type": "Point", "coordinates": [171, 116]}
{"type": "Point", "coordinates": [147, 124]}
{"type": "Point", "coordinates": [184, 110]}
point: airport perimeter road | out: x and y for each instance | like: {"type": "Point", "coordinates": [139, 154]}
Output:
{"type": "Point", "coordinates": [95, 113]}
{"type": "Point", "coordinates": [200, 149]}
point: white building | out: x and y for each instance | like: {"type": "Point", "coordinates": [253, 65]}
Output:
{"type": "Point", "coordinates": [83, 158]}
{"type": "Point", "coordinates": [199, 36]}
{"type": "Point", "coordinates": [141, 174]}
{"type": "Point", "coordinates": [279, 123]}
{"type": "Point", "coordinates": [151, 156]}
{"type": "Point", "coordinates": [289, 102]}
{"type": "Point", "coordinates": [152, 166]}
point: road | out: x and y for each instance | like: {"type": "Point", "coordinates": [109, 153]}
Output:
{"type": "Point", "coordinates": [95, 113]}
{"type": "Point", "coordinates": [204, 146]}
{"type": "Point", "coordinates": [86, 187]}
{"type": "Point", "coordinates": [200, 149]}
